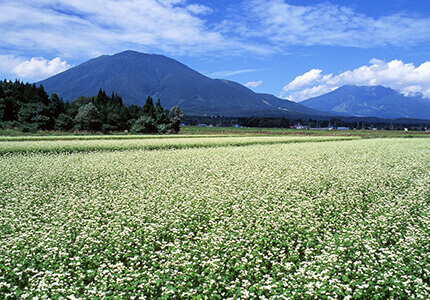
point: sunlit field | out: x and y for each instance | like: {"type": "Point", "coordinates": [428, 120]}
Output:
{"type": "Point", "coordinates": [215, 218]}
{"type": "Point", "coordinates": [105, 143]}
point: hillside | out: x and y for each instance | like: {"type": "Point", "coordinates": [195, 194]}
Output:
{"type": "Point", "coordinates": [370, 101]}
{"type": "Point", "coordinates": [135, 76]}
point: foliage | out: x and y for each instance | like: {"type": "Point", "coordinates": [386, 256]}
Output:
{"type": "Point", "coordinates": [145, 124]}
{"type": "Point", "coordinates": [263, 122]}
{"type": "Point", "coordinates": [152, 120]}
{"type": "Point", "coordinates": [65, 122]}
{"type": "Point", "coordinates": [176, 116]}
{"type": "Point", "coordinates": [30, 108]}
{"type": "Point", "coordinates": [88, 117]}
{"type": "Point", "coordinates": [28, 105]}
{"type": "Point", "coordinates": [330, 220]}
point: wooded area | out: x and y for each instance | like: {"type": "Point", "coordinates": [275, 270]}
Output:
{"type": "Point", "coordinates": [29, 108]}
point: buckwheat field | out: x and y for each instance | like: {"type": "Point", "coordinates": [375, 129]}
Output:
{"type": "Point", "coordinates": [228, 219]}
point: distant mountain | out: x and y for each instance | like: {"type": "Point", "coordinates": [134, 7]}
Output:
{"type": "Point", "coordinates": [135, 76]}
{"type": "Point", "coordinates": [370, 101]}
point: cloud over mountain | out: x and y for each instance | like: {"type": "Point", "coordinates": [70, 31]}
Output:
{"type": "Point", "coordinates": [272, 36]}
{"type": "Point", "coordinates": [69, 27]}
{"type": "Point", "coordinates": [40, 68]}
{"type": "Point", "coordinates": [253, 84]}
{"type": "Point", "coordinates": [400, 76]}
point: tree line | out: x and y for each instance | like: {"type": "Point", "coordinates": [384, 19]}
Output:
{"type": "Point", "coordinates": [29, 108]}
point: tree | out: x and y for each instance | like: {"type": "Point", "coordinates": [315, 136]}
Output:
{"type": "Point", "coordinates": [88, 117]}
{"type": "Point", "coordinates": [148, 108]}
{"type": "Point", "coordinates": [135, 111]}
{"type": "Point", "coordinates": [33, 116]}
{"type": "Point", "coordinates": [65, 122]}
{"type": "Point", "coordinates": [101, 98]}
{"type": "Point", "coordinates": [2, 103]}
{"type": "Point", "coordinates": [163, 122]}
{"type": "Point", "coordinates": [175, 116]}
{"type": "Point", "coordinates": [144, 124]}
{"type": "Point", "coordinates": [54, 108]}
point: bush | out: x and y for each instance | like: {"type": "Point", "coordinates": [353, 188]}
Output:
{"type": "Point", "coordinates": [65, 122]}
{"type": "Point", "coordinates": [144, 124]}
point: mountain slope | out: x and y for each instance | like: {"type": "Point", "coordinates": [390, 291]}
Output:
{"type": "Point", "coordinates": [135, 76]}
{"type": "Point", "coordinates": [370, 101]}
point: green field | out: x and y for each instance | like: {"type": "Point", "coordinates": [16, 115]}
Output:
{"type": "Point", "coordinates": [281, 217]}
{"type": "Point", "coordinates": [188, 131]}
{"type": "Point", "coordinates": [191, 130]}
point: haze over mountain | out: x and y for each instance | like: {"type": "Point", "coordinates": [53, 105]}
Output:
{"type": "Point", "coordinates": [135, 76]}
{"type": "Point", "coordinates": [370, 101]}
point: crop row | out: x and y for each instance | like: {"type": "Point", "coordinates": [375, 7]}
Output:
{"type": "Point", "coordinates": [329, 220]}
{"type": "Point", "coordinates": [98, 137]}
{"type": "Point", "coordinates": [148, 143]}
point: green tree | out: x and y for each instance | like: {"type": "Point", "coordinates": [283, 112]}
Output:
{"type": "Point", "coordinates": [65, 122]}
{"type": "Point", "coordinates": [88, 117]}
{"type": "Point", "coordinates": [175, 116]}
{"type": "Point", "coordinates": [135, 112]}
{"type": "Point", "coordinates": [2, 103]}
{"type": "Point", "coordinates": [163, 122]}
{"type": "Point", "coordinates": [148, 108]}
{"type": "Point", "coordinates": [32, 117]}
{"type": "Point", "coordinates": [54, 108]}
{"type": "Point", "coordinates": [144, 124]}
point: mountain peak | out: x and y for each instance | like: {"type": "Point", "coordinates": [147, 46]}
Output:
{"type": "Point", "coordinates": [370, 101]}
{"type": "Point", "coordinates": [135, 76]}
{"type": "Point", "coordinates": [128, 53]}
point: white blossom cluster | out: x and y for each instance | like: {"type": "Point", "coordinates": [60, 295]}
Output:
{"type": "Point", "coordinates": [82, 144]}
{"type": "Point", "coordinates": [327, 220]}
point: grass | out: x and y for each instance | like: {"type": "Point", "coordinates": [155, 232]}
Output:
{"type": "Point", "coordinates": [210, 131]}
{"type": "Point", "coordinates": [190, 130]}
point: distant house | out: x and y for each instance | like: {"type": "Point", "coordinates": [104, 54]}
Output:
{"type": "Point", "coordinates": [299, 126]}
{"type": "Point", "coordinates": [203, 125]}
{"type": "Point", "coordinates": [237, 125]}
{"type": "Point", "coordinates": [342, 128]}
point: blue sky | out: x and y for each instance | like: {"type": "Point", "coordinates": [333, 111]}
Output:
{"type": "Point", "coordinates": [293, 49]}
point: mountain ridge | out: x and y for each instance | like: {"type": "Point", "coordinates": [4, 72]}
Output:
{"type": "Point", "coordinates": [135, 76]}
{"type": "Point", "coordinates": [370, 101]}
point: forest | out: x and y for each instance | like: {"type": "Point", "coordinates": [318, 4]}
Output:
{"type": "Point", "coordinates": [26, 107]}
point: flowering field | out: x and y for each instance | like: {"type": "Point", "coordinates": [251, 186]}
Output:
{"type": "Point", "coordinates": [98, 143]}
{"type": "Point", "coordinates": [326, 220]}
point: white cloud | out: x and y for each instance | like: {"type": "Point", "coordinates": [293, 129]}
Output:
{"type": "Point", "coordinates": [253, 84]}
{"type": "Point", "coordinates": [67, 28]}
{"type": "Point", "coordinates": [328, 24]}
{"type": "Point", "coordinates": [199, 9]}
{"type": "Point", "coordinates": [231, 73]}
{"type": "Point", "coordinates": [8, 62]}
{"type": "Point", "coordinates": [400, 76]}
{"type": "Point", "coordinates": [40, 68]}
{"type": "Point", "coordinates": [81, 28]}
{"type": "Point", "coordinates": [303, 80]}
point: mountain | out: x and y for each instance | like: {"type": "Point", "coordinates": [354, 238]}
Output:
{"type": "Point", "coordinates": [135, 76]}
{"type": "Point", "coordinates": [370, 101]}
